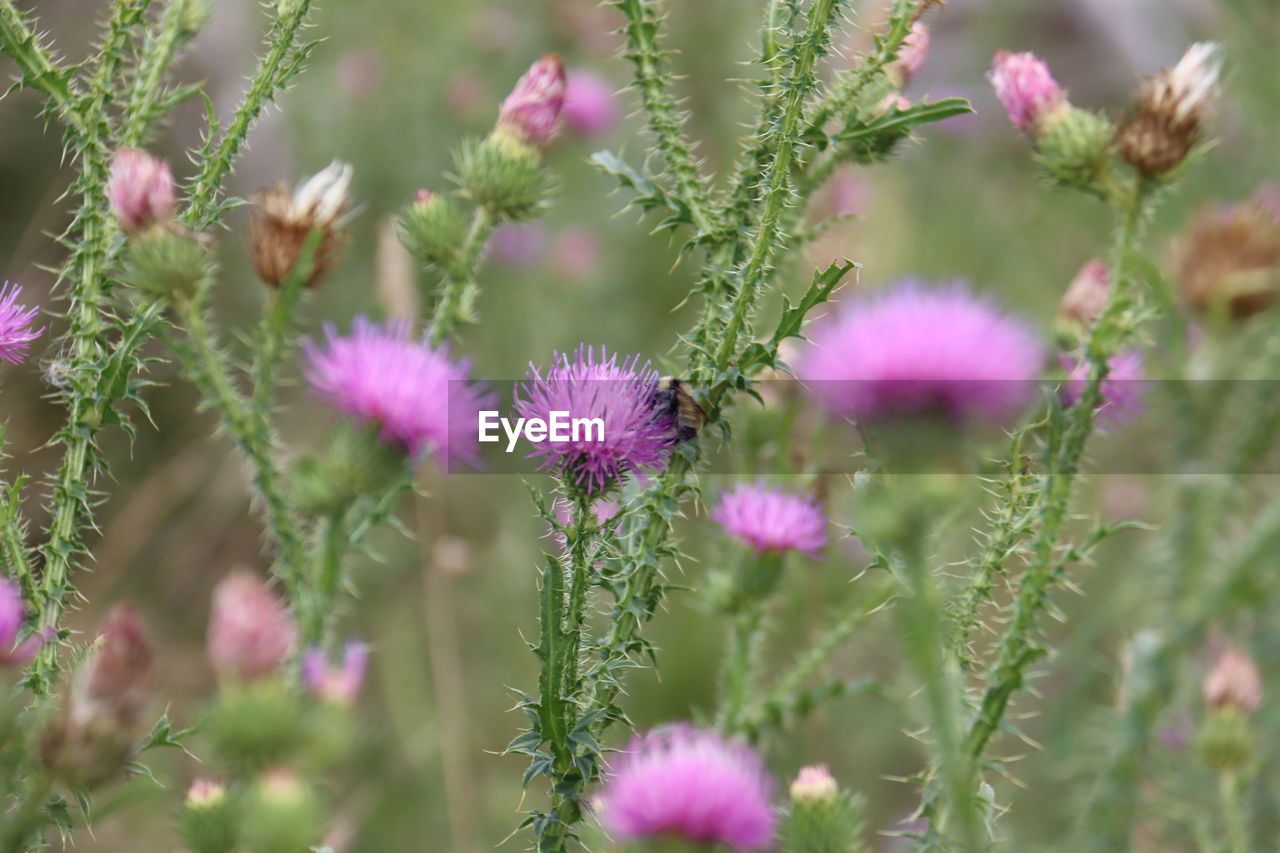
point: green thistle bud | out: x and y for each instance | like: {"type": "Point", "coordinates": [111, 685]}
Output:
{"type": "Point", "coordinates": [433, 228]}
{"type": "Point", "coordinates": [167, 263]}
{"type": "Point", "coordinates": [194, 18]}
{"type": "Point", "coordinates": [822, 818]}
{"type": "Point", "coordinates": [1226, 740]}
{"type": "Point", "coordinates": [257, 725]}
{"type": "Point", "coordinates": [282, 815]}
{"type": "Point", "coordinates": [1074, 147]}
{"type": "Point", "coordinates": [355, 463]}
{"type": "Point", "coordinates": [208, 819]}
{"type": "Point", "coordinates": [503, 175]}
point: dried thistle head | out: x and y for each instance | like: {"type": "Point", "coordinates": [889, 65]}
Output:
{"type": "Point", "coordinates": [284, 220]}
{"type": "Point", "coordinates": [1229, 262]}
{"type": "Point", "coordinates": [1169, 111]}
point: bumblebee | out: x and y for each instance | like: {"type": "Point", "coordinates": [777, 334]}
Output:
{"type": "Point", "coordinates": [672, 398]}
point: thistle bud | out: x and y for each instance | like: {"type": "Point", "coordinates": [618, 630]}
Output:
{"type": "Point", "coordinates": [140, 189]}
{"type": "Point", "coordinates": [167, 263]}
{"type": "Point", "coordinates": [14, 650]}
{"type": "Point", "coordinates": [1074, 147]}
{"type": "Point", "coordinates": [503, 175]}
{"type": "Point", "coordinates": [103, 717]}
{"type": "Point", "coordinates": [433, 229]}
{"type": "Point", "coordinates": [208, 819]}
{"type": "Point", "coordinates": [356, 462]}
{"type": "Point", "coordinates": [822, 819]}
{"type": "Point", "coordinates": [281, 815]}
{"type": "Point", "coordinates": [338, 684]}
{"type": "Point", "coordinates": [1026, 90]}
{"type": "Point", "coordinates": [1168, 112]}
{"type": "Point", "coordinates": [531, 113]}
{"type": "Point", "coordinates": [1229, 264]}
{"type": "Point", "coordinates": [814, 784]}
{"type": "Point", "coordinates": [1086, 297]}
{"type": "Point", "coordinates": [1234, 682]}
{"type": "Point", "coordinates": [194, 18]}
{"type": "Point", "coordinates": [250, 631]}
{"type": "Point", "coordinates": [283, 223]}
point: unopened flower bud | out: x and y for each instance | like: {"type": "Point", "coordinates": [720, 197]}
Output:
{"type": "Point", "coordinates": [1168, 112]}
{"type": "Point", "coordinates": [167, 263]}
{"type": "Point", "coordinates": [282, 815]}
{"type": "Point", "coordinates": [1026, 89]}
{"type": "Point", "coordinates": [1074, 146]}
{"type": "Point", "coordinates": [356, 462]}
{"type": "Point", "coordinates": [531, 113]}
{"type": "Point", "coordinates": [1226, 740]}
{"type": "Point", "coordinates": [194, 17]}
{"type": "Point", "coordinates": [103, 716]}
{"type": "Point", "coordinates": [14, 650]}
{"type": "Point", "coordinates": [338, 684]}
{"type": "Point", "coordinates": [503, 175]}
{"type": "Point", "coordinates": [208, 819]}
{"type": "Point", "coordinates": [283, 223]}
{"type": "Point", "coordinates": [1234, 682]}
{"type": "Point", "coordinates": [1229, 264]}
{"type": "Point", "coordinates": [1086, 297]}
{"type": "Point", "coordinates": [433, 228]}
{"type": "Point", "coordinates": [250, 631]}
{"type": "Point", "coordinates": [814, 784]}
{"type": "Point", "coordinates": [140, 189]}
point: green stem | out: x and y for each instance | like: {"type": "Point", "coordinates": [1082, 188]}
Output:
{"type": "Point", "coordinates": [273, 335]}
{"type": "Point", "coordinates": [38, 69]}
{"type": "Point", "coordinates": [22, 822]}
{"type": "Point", "coordinates": [461, 277]}
{"type": "Point", "coordinates": [746, 634]}
{"type": "Point", "coordinates": [158, 53]}
{"type": "Point", "coordinates": [1233, 813]}
{"type": "Point", "coordinates": [332, 541]}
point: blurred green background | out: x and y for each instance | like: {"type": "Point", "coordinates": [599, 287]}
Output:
{"type": "Point", "coordinates": [393, 87]}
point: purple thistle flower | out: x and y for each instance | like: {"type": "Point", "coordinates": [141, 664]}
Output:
{"type": "Point", "coordinates": [915, 349]}
{"type": "Point", "coordinates": [635, 435]}
{"type": "Point", "coordinates": [418, 397]}
{"type": "Point", "coordinates": [1026, 89]}
{"type": "Point", "coordinates": [12, 614]}
{"type": "Point", "coordinates": [772, 519]}
{"type": "Point", "coordinates": [1122, 390]}
{"type": "Point", "coordinates": [140, 189]}
{"type": "Point", "coordinates": [16, 335]}
{"type": "Point", "coordinates": [692, 784]}
{"type": "Point", "coordinates": [589, 106]}
{"type": "Point", "coordinates": [532, 111]}
{"type": "Point", "coordinates": [340, 684]}
{"type": "Point", "coordinates": [250, 630]}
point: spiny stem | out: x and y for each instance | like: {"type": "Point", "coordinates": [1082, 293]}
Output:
{"type": "Point", "coordinates": [39, 70]}
{"type": "Point", "coordinates": [158, 53]}
{"type": "Point", "coordinates": [461, 277]}
{"type": "Point", "coordinates": [741, 659]}
{"type": "Point", "coordinates": [1233, 813]}
{"type": "Point", "coordinates": [331, 545]}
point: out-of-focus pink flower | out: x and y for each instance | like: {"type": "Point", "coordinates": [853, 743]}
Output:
{"type": "Point", "coordinates": [1234, 682]}
{"type": "Point", "coordinates": [1085, 298]}
{"type": "Point", "coordinates": [1026, 89]}
{"type": "Point", "coordinates": [576, 252]}
{"type": "Point", "coordinates": [914, 349]}
{"type": "Point", "coordinates": [519, 244]}
{"type": "Point", "coordinates": [140, 189]}
{"type": "Point", "coordinates": [532, 111]}
{"type": "Point", "coordinates": [1122, 390]}
{"type": "Point", "coordinates": [690, 784]}
{"type": "Point", "coordinates": [772, 519]}
{"type": "Point", "coordinates": [16, 334]}
{"type": "Point", "coordinates": [205, 792]}
{"type": "Point", "coordinates": [589, 106]}
{"type": "Point", "coordinates": [635, 437]}
{"type": "Point", "coordinates": [340, 684]}
{"type": "Point", "coordinates": [250, 631]}
{"type": "Point", "coordinates": [416, 395]}
{"type": "Point", "coordinates": [13, 650]}
{"type": "Point", "coordinates": [914, 50]}
{"type": "Point", "coordinates": [360, 72]}
{"type": "Point", "coordinates": [814, 784]}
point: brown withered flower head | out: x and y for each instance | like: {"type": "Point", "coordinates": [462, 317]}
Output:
{"type": "Point", "coordinates": [1229, 263]}
{"type": "Point", "coordinates": [104, 715]}
{"type": "Point", "coordinates": [1169, 110]}
{"type": "Point", "coordinates": [284, 219]}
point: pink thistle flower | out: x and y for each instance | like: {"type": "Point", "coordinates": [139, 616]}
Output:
{"type": "Point", "coordinates": [13, 650]}
{"type": "Point", "coordinates": [416, 394]}
{"type": "Point", "coordinates": [814, 784]}
{"type": "Point", "coordinates": [1122, 390]}
{"type": "Point", "coordinates": [1086, 296]}
{"type": "Point", "coordinates": [250, 631]}
{"type": "Point", "coordinates": [915, 349]}
{"type": "Point", "coordinates": [532, 111]}
{"type": "Point", "coordinates": [914, 50]}
{"type": "Point", "coordinates": [340, 684]}
{"type": "Point", "coordinates": [140, 189]}
{"type": "Point", "coordinates": [1025, 88]}
{"type": "Point", "coordinates": [1234, 682]}
{"type": "Point", "coordinates": [635, 436]}
{"type": "Point", "coordinates": [16, 335]}
{"type": "Point", "coordinates": [692, 784]}
{"type": "Point", "coordinates": [772, 519]}
{"type": "Point", "coordinates": [589, 106]}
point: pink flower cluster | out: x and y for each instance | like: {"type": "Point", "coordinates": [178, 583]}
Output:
{"type": "Point", "coordinates": [250, 631]}
{"type": "Point", "coordinates": [772, 519]}
{"type": "Point", "coordinates": [532, 111]}
{"type": "Point", "coordinates": [140, 189]}
{"type": "Point", "coordinates": [16, 334]}
{"type": "Point", "coordinates": [1026, 89]}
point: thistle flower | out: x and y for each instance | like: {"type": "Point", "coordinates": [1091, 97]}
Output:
{"type": "Point", "coordinates": [16, 335]}
{"type": "Point", "coordinates": [634, 436]}
{"type": "Point", "coordinates": [691, 784]}
{"type": "Point", "coordinates": [1229, 263]}
{"type": "Point", "coordinates": [1086, 296]}
{"type": "Point", "coordinates": [140, 189]}
{"type": "Point", "coordinates": [1169, 110]}
{"type": "Point", "coordinates": [1122, 390]}
{"type": "Point", "coordinates": [339, 684]}
{"type": "Point", "coordinates": [589, 106]}
{"type": "Point", "coordinates": [1234, 682]}
{"type": "Point", "coordinates": [283, 221]}
{"type": "Point", "coordinates": [416, 395]}
{"type": "Point", "coordinates": [531, 113]}
{"type": "Point", "coordinates": [772, 519]}
{"type": "Point", "coordinates": [814, 784]}
{"type": "Point", "coordinates": [915, 350]}
{"type": "Point", "coordinates": [14, 652]}
{"type": "Point", "coordinates": [250, 631]}
{"type": "Point", "coordinates": [1026, 89]}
